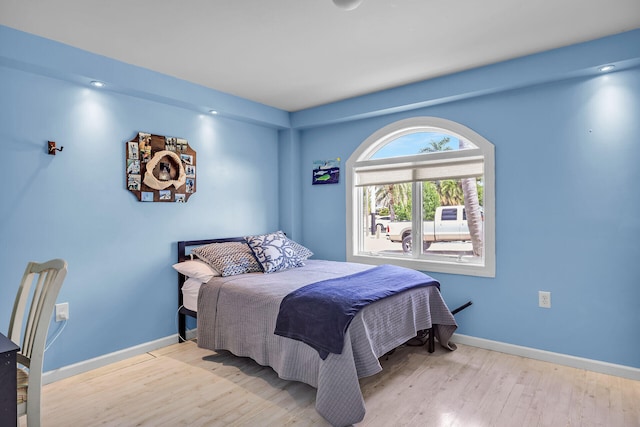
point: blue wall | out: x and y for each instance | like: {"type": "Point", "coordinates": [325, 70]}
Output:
{"type": "Point", "coordinates": [566, 200]}
{"type": "Point", "coordinates": [566, 146]}
{"type": "Point", "coordinates": [120, 287]}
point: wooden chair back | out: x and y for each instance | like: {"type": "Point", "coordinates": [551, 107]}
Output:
{"type": "Point", "coordinates": [38, 291]}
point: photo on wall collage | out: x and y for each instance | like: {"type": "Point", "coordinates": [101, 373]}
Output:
{"type": "Point", "coordinates": [160, 168]}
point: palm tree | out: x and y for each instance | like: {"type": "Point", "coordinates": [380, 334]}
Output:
{"type": "Point", "coordinates": [393, 194]}
{"type": "Point", "coordinates": [384, 197]}
{"type": "Point", "coordinates": [437, 146]}
{"type": "Point", "coordinates": [473, 210]}
{"type": "Point", "coordinates": [451, 192]}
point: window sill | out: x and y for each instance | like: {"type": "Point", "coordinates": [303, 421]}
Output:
{"type": "Point", "coordinates": [419, 264]}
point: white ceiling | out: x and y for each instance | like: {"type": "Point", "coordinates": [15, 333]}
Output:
{"type": "Point", "coordinates": [296, 54]}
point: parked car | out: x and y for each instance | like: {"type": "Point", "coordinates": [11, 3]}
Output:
{"type": "Point", "coordinates": [450, 225]}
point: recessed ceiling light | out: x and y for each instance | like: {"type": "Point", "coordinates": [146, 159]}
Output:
{"type": "Point", "coordinates": [347, 4]}
{"type": "Point", "coordinates": [606, 68]}
{"type": "Point", "coordinates": [214, 112]}
{"type": "Point", "coordinates": [96, 83]}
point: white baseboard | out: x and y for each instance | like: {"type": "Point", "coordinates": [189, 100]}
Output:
{"type": "Point", "coordinates": [547, 356]}
{"type": "Point", "coordinates": [531, 353]}
{"type": "Point", "coordinates": [107, 359]}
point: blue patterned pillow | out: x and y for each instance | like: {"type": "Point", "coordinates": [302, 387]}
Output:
{"type": "Point", "coordinates": [302, 252]}
{"type": "Point", "coordinates": [229, 258]}
{"type": "Point", "coordinates": [274, 252]}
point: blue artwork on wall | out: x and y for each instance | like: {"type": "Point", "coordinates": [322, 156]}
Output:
{"type": "Point", "coordinates": [326, 171]}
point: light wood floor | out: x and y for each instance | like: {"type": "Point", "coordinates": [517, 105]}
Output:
{"type": "Point", "coordinates": [182, 385]}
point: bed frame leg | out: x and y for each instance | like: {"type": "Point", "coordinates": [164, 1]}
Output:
{"type": "Point", "coordinates": [182, 327]}
{"type": "Point", "coordinates": [432, 342]}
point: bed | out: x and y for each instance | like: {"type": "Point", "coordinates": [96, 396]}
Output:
{"type": "Point", "coordinates": [239, 313]}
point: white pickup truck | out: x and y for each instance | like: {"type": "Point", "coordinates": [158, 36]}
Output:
{"type": "Point", "coordinates": [450, 225]}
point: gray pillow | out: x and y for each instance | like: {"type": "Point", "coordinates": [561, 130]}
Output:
{"type": "Point", "coordinates": [229, 258]}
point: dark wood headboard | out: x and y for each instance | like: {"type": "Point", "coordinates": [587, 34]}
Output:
{"type": "Point", "coordinates": [184, 247]}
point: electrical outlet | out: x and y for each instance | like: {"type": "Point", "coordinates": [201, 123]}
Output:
{"type": "Point", "coordinates": [544, 299]}
{"type": "Point", "coordinates": [62, 311]}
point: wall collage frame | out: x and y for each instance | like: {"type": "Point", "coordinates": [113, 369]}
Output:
{"type": "Point", "coordinates": [160, 168]}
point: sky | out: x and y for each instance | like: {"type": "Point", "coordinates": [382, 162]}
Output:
{"type": "Point", "coordinates": [411, 144]}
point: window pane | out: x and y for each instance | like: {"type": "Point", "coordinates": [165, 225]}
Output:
{"type": "Point", "coordinates": [421, 142]}
{"type": "Point", "coordinates": [384, 206]}
{"type": "Point", "coordinates": [447, 233]}
{"type": "Point", "coordinates": [449, 214]}
{"type": "Point", "coordinates": [387, 229]}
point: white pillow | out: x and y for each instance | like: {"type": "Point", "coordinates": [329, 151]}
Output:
{"type": "Point", "coordinates": [197, 269]}
{"type": "Point", "coordinates": [191, 284]}
{"type": "Point", "coordinates": [190, 291]}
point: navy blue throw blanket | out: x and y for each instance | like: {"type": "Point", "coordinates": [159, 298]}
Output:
{"type": "Point", "coordinates": [320, 313]}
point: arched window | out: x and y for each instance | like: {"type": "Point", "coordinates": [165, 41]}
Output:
{"type": "Point", "coordinates": [420, 194]}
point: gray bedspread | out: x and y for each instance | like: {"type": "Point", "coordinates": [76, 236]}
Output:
{"type": "Point", "coordinates": [238, 314]}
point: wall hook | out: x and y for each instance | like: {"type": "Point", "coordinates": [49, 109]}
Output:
{"type": "Point", "coordinates": [52, 148]}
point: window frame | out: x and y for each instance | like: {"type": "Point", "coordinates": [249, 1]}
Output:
{"type": "Point", "coordinates": [361, 158]}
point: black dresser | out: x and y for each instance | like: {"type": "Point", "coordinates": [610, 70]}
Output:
{"type": "Point", "coordinates": [8, 386]}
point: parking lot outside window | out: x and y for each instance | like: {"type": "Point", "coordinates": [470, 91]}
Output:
{"type": "Point", "coordinates": [420, 194]}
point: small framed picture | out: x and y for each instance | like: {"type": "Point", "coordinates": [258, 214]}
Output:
{"type": "Point", "coordinates": [186, 159]}
{"type": "Point", "coordinates": [326, 171]}
{"type": "Point", "coordinates": [133, 182]}
{"type": "Point", "coordinates": [170, 143]}
{"type": "Point", "coordinates": [147, 196]}
{"type": "Point", "coordinates": [165, 171]}
{"type": "Point", "coordinates": [133, 166]}
{"type": "Point", "coordinates": [164, 194]}
{"type": "Point", "coordinates": [190, 185]}
{"type": "Point", "coordinates": [133, 150]}
{"type": "Point", "coordinates": [144, 139]}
